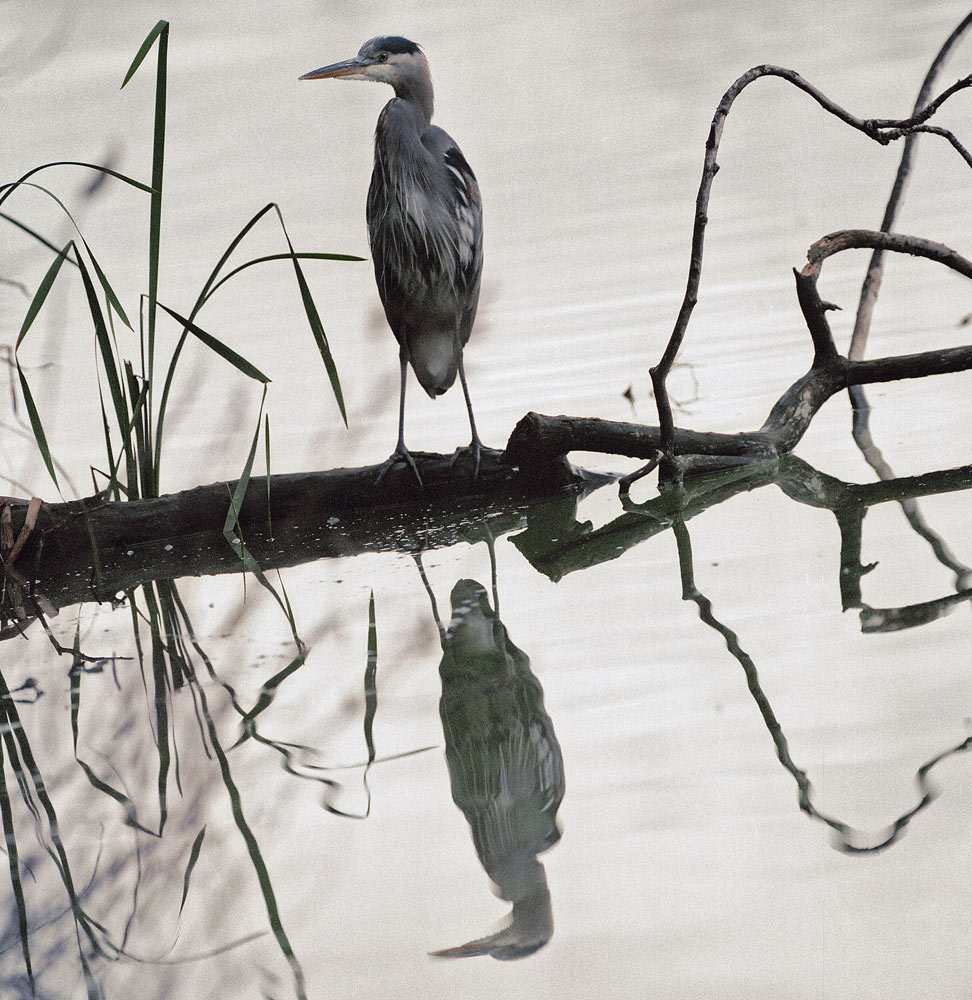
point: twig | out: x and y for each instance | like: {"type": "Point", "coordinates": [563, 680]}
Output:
{"type": "Point", "coordinates": [936, 130]}
{"type": "Point", "coordinates": [920, 117]}
{"type": "Point", "coordinates": [869, 292]}
{"type": "Point", "coordinates": [856, 239]}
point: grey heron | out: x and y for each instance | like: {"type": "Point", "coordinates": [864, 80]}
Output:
{"type": "Point", "coordinates": [425, 227]}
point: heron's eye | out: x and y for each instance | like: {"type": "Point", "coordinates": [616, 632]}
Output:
{"type": "Point", "coordinates": [382, 57]}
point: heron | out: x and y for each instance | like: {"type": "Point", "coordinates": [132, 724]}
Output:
{"type": "Point", "coordinates": [425, 228]}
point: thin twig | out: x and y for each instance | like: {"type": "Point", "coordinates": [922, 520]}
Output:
{"type": "Point", "coordinates": [920, 117]}
{"type": "Point", "coordinates": [936, 130]}
{"type": "Point", "coordinates": [856, 239]}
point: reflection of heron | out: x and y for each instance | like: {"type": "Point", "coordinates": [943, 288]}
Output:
{"type": "Point", "coordinates": [425, 225]}
{"type": "Point", "coordinates": [505, 766]}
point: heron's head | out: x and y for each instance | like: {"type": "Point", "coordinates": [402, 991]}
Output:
{"type": "Point", "coordinates": [388, 59]}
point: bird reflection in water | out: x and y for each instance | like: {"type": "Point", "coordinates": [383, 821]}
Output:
{"type": "Point", "coordinates": [505, 767]}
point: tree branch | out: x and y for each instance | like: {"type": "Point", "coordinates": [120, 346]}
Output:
{"type": "Point", "coordinates": [881, 130]}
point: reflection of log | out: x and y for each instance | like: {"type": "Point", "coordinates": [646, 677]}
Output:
{"type": "Point", "coordinates": [896, 619]}
{"type": "Point", "coordinates": [557, 553]}
{"type": "Point", "coordinates": [94, 549]}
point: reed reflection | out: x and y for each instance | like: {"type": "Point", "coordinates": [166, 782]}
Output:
{"type": "Point", "coordinates": [505, 767]}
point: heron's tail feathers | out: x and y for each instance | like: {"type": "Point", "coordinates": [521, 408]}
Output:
{"type": "Point", "coordinates": [435, 361]}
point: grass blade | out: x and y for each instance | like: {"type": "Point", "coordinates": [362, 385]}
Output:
{"type": "Point", "coordinates": [11, 186]}
{"type": "Point", "coordinates": [193, 858]}
{"type": "Point", "coordinates": [232, 521]}
{"type": "Point", "coordinates": [174, 360]}
{"type": "Point", "coordinates": [161, 33]}
{"type": "Point", "coordinates": [209, 287]}
{"type": "Point", "coordinates": [31, 232]}
{"type": "Point", "coordinates": [155, 214]}
{"type": "Point", "coordinates": [25, 767]}
{"type": "Point", "coordinates": [16, 885]}
{"type": "Point", "coordinates": [281, 256]}
{"type": "Point", "coordinates": [75, 673]}
{"type": "Point", "coordinates": [370, 686]}
{"type": "Point", "coordinates": [371, 699]}
{"type": "Point", "coordinates": [37, 427]}
{"type": "Point", "coordinates": [317, 328]}
{"type": "Point", "coordinates": [160, 28]}
{"type": "Point", "coordinates": [256, 857]}
{"type": "Point", "coordinates": [268, 691]}
{"type": "Point", "coordinates": [109, 291]}
{"type": "Point", "coordinates": [139, 425]}
{"type": "Point", "coordinates": [102, 278]}
{"type": "Point", "coordinates": [233, 534]}
{"type": "Point", "coordinates": [115, 390]}
{"type": "Point", "coordinates": [227, 353]}
{"type": "Point", "coordinates": [41, 294]}
{"type": "Point", "coordinates": [266, 425]}
{"type": "Point", "coordinates": [160, 698]}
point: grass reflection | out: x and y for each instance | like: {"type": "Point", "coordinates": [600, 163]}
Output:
{"type": "Point", "coordinates": [165, 660]}
{"type": "Point", "coordinates": [17, 755]}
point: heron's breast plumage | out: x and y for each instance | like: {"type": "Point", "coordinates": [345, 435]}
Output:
{"type": "Point", "coordinates": [425, 228]}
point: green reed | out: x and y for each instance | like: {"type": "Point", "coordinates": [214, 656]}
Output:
{"type": "Point", "coordinates": [133, 394]}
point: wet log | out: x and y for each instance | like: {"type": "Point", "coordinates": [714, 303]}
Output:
{"type": "Point", "coordinates": [96, 548]}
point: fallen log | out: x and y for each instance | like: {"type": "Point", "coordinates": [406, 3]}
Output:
{"type": "Point", "coordinates": [97, 548]}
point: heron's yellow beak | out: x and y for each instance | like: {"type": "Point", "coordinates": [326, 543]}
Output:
{"type": "Point", "coordinates": [350, 68]}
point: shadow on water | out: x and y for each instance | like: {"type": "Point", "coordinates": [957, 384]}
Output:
{"type": "Point", "coordinates": [505, 765]}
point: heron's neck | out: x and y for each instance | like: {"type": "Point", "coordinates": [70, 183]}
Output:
{"type": "Point", "coordinates": [416, 89]}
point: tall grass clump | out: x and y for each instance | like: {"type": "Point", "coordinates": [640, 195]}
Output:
{"type": "Point", "coordinates": [134, 394]}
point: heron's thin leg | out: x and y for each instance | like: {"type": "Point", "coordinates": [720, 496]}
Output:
{"type": "Point", "coordinates": [476, 446]}
{"type": "Point", "coordinates": [401, 452]}
{"type": "Point", "coordinates": [403, 361]}
{"type": "Point", "coordinates": [417, 556]}
{"type": "Point", "coordinates": [469, 409]}
{"type": "Point", "coordinates": [492, 568]}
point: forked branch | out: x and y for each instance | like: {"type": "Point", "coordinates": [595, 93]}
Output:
{"type": "Point", "coordinates": [881, 130]}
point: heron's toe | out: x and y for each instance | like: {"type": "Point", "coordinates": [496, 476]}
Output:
{"type": "Point", "coordinates": [399, 456]}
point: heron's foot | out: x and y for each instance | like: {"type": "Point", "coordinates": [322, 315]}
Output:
{"type": "Point", "coordinates": [476, 448]}
{"type": "Point", "coordinates": [399, 455]}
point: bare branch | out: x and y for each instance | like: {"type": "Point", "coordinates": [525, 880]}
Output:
{"type": "Point", "coordinates": [877, 129]}
{"type": "Point", "coordinates": [815, 313]}
{"type": "Point", "coordinates": [935, 130]}
{"type": "Point", "coordinates": [855, 239]}
{"type": "Point", "coordinates": [872, 280]}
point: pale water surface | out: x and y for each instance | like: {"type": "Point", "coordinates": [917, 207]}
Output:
{"type": "Point", "coordinates": [685, 868]}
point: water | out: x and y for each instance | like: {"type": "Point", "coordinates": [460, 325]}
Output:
{"type": "Point", "coordinates": [685, 866]}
